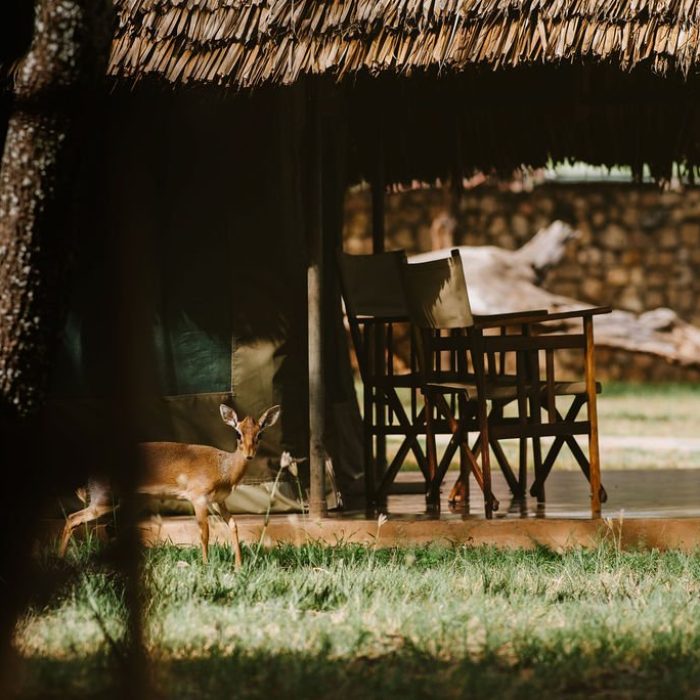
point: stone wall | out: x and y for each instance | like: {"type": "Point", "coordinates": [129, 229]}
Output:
{"type": "Point", "coordinates": [639, 247]}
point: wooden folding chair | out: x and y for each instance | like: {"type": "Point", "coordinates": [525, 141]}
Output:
{"type": "Point", "coordinates": [377, 316]}
{"type": "Point", "coordinates": [439, 309]}
{"type": "Point", "coordinates": [438, 304]}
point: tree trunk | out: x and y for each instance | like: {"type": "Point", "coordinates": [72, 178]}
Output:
{"type": "Point", "coordinates": [66, 59]}
{"type": "Point", "coordinates": [69, 50]}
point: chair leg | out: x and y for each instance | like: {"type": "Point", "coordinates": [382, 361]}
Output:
{"type": "Point", "coordinates": [460, 490]}
{"type": "Point", "coordinates": [464, 470]}
{"type": "Point", "coordinates": [522, 466]}
{"type": "Point", "coordinates": [592, 396]}
{"type": "Point", "coordinates": [460, 439]}
{"type": "Point", "coordinates": [409, 443]}
{"type": "Point", "coordinates": [370, 487]}
{"type": "Point", "coordinates": [547, 465]}
{"type": "Point", "coordinates": [513, 483]}
{"type": "Point", "coordinates": [558, 443]}
{"type": "Point", "coordinates": [535, 404]}
{"type": "Point", "coordinates": [573, 446]}
{"type": "Point", "coordinates": [535, 419]}
{"type": "Point", "coordinates": [432, 493]}
{"type": "Point", "coordinates": [495, 416]}
{"type": "Point", "coordinates": [488, 493]}
{"type": "Point", "coordinates": [411, 431]}
{"type": "Point", "coordinates": [537, 463]}
{"type": "Point", "coordinates": [521, 367]}
{"type": "Point", "coordinates": [482, 420]}
{"type": "Point", "coordinates": [584, 464]}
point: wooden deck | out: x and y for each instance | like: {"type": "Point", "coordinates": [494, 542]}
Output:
{"type": "Point", "coordinates": [647, 509]}
{"type": "Point", "coordinates": [556, 533]}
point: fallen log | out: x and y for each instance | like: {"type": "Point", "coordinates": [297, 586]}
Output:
{"type": "Point", "coordinates": [502, 281]}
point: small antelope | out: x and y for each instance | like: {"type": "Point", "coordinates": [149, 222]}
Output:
{"type": "Point", "coordinates": [200, 474]}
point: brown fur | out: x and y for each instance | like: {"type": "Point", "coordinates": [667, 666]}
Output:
{"type": "Point", "coordinates": [200, 474]}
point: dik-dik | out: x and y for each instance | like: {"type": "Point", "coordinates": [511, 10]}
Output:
{"type": "Point", "coordinates": [200, 474]}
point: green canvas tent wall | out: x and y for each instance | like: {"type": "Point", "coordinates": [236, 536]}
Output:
{"type": "Point", "coordinates": [214, 185]}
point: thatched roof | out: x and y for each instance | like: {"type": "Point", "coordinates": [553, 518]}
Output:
{"type": "Point", "coordinates": [246, 43]}
{"type": "Point", "coordinates": [609, 82]}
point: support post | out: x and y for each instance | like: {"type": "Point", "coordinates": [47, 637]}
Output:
{"type": "Point", "coordinates": [592, 395]}
{"type": "Point", "coordinates": [317, 396]}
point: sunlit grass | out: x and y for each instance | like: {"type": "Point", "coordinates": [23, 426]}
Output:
{"type": "Point", "coordinates": [349, 622]}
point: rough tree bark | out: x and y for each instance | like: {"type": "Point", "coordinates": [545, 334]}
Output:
{"type": "Point", "coordinates": [69, 50]}
{"type": "Point", "coordinates": [52, 84]}
{"type": "Point", "coordinates": [503, 280]}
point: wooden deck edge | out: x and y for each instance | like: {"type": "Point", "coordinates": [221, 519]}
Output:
{"type": "Point", "coordinates": [557, 534]}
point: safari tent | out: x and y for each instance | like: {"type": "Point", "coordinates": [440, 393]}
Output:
{"type": "Point", "coordinates": [230, 130]}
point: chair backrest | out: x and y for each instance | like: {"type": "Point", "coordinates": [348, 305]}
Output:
{"type": "Point", "coordinates": [371, 284]}
{"type": "Point", "coordinates": [436, 293]}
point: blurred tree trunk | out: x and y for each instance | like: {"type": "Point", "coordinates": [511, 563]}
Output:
{"type": "Point", "coordinates": [69, 51]}
{"type": "Point", "coordinates": [52, 86]}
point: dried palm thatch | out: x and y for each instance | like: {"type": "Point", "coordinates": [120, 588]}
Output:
{"type": "Point", "coordinates": [246, 43]}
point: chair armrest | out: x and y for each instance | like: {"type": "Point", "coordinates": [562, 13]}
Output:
{"type": "Point", "coordinates": [369, 320]}
{"type": "Point", "coordinates": [517, 319]}
{"type": "Point", "coordinates": [535, 317]}
{"type": "Point", "coordinates": [513, 315]}
{"type": "Point", "coordinates": [578, 313]}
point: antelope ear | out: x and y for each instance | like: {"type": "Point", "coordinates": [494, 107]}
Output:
{"type": "Point", "coordinates": [269, 417]}
{"type": "Point", "coordinates": [228, 415]}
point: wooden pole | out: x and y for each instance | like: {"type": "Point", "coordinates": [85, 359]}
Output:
{"type": "Point", "coordinates": [592, 395]}
{"type": "Point", "coordinates": [317, 394]}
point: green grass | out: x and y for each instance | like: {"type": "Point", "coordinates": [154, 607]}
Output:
{"type": "Point", "coordinates": [661, 410]}
{"type": "Point", "coordinates": [351, 622]}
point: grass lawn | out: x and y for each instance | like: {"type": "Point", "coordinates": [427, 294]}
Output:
{"type": "Point", "coordinates": [663, 410]}
{"type": "Point", "coordinates": [351, 622]}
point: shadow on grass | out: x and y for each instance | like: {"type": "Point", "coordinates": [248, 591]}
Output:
{"type": "Point", "coordinates": [404, 674]}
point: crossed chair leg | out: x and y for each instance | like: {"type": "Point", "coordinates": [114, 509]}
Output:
{"type": "Point", "coordinates": [460, 489]}
{"type": "Point", "coordinates": [543, 467]}
{"type": "Point", "coordinates": [377, 493]}
{"type": "Point", "coordinates": [468, 455]}
{"type": "Point", "coordinates": [537, 488]}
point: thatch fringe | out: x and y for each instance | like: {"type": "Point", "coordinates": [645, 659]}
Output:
{"type": "Point", "coordinates": [247, 43]}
